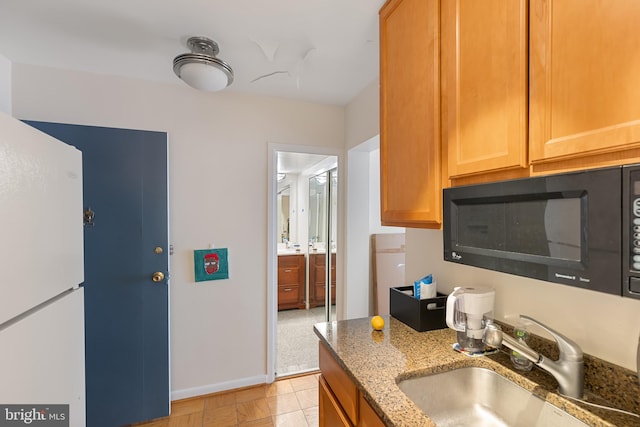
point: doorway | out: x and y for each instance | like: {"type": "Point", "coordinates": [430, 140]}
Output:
{"type": "Point", "coordinates": [303, 255]}
{"type": "Point", "coordinates": [126, 268]}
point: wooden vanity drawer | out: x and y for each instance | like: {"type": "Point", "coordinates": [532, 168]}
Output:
{"type": "Point", "coordinates": [288, 276]}
{"type": "Point", "coordinates": [290, 260]}
{"type": "Point", "coordinates": [288, 294]}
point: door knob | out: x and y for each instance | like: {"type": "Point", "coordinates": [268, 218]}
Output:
{"type": "Point", "coordinates": [158, 276]}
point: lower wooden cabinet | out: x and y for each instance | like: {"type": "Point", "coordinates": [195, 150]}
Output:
{"type": "Point", "coordinates": [318, 281]}
{"type": "Point", "coordinates": [368, 417]}
{"type": "Point", "coordinates": [291, 275]}
{"type": "Point", "coordinates": [331, 414]}
{"type": "Point", "coordinates": [340, 401]}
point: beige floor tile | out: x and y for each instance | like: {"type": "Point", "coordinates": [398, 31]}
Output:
{"type": "Point", "coordinates": [193, 419]}
{"type": "Point", "coordinates": [251, 394]}
{"type": "Point", "coordinates": [219, 400]}
{"type": "Point", "coordinates": [307, 398]}
{"type": "Point", "coordinates": [291, 419]}
{"type": "Point", "coordinates": [223, 416]}
{"type": "Point", "coordinates": [264, 422]}
{"type": "Point", "coordinates": [187, 406]}
{"type": "Point", "coordinates": [312, 415]}
{"type": "Point", "coordinates": [252, 410]}
{"type": "Point", "coordinates": [288, 402]}
{"type": "Point", "coordinates": [283, 403]}
{"type": "Point", "coordinates": [304, 383]}
{"type": "Point", "coordinates": [164, 422]}
{"type": "Point", "coordinates": [278, 387]}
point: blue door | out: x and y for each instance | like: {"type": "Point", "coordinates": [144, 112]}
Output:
{"type": "Point", "coordinates": [126, 271]}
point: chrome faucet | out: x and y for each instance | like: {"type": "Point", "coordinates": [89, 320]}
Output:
{"type": "Point", "coordinates": [568, 370]}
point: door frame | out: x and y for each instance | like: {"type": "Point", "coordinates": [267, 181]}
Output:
{"type": "Point", "coordinates": [272, 255]}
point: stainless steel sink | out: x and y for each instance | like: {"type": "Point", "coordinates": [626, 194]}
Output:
{"type": "Point", "coordinates": [479, 397]}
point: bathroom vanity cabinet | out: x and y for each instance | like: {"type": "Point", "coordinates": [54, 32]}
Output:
{"type": "Point", "coordinates": [318, 280]}
{"type": "Point", "coordinates": [291, 275]}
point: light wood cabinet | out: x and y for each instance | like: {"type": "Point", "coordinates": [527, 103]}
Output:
{"type": "Point", "coordinates": [291, 280]}
{"type": "Point", "coordinates": [584, 84]}
{"type": "Point", "coordinates": [485, 85]}
{"type": "Point", "coordinates": [526, 87]}
{"type": "Point", "coordinates": [318, 279]}
{"type": "Point", "coordinates": [340, 401]}
{"type": "Point", "coordinates": [368, 417]}
{"type": "Point", "coordinates": [410, 149]}
{"type": "Point", "coordinates": [331, 414]}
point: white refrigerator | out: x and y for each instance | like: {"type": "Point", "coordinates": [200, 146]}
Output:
{"type": "Point", "coordinates": [41, 268]}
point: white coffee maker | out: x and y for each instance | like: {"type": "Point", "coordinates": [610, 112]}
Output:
{"type": "Point", "coordinates": [468, 312]}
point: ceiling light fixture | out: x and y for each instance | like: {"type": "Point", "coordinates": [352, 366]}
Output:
{"type": "Point", "coordinates": [201, 69]}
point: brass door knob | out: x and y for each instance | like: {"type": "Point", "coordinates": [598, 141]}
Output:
{"type": "Point", "coordinates": [158, 276]}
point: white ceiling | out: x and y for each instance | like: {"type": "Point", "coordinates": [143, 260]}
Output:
{"type": "Point", "coordinates": [327, 50]}
{"type": "Point", "coordinates": [294, 163]}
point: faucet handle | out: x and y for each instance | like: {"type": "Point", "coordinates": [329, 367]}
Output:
{"type": "Point", "coordinates": [569, 350]}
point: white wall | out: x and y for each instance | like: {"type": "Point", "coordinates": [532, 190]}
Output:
{"type": "Point", "coordinates": [605, 326]}
{"type": "Point", "coordinates": [362, 116]}
{"type": "Point", "coordinates": [363, 199]}
{"type": "Point", "coordinates": [5, 85]}
{"type": "Point", "coordinates": [218, 328]}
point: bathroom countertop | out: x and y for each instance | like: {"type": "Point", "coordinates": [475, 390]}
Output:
{"type": "Point", "coordinates": [377, 360]}
{"type": "Point", "coordinates": [285, 252]}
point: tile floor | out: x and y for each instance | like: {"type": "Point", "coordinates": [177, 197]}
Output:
{"type": "Point", "coordinates": [288, 402]}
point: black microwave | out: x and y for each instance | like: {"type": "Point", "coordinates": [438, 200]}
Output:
{"type": "Point", "coordinates": [580, 229]}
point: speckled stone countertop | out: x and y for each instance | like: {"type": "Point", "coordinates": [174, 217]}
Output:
{"type": "Point", "coordinates": [377, 360]}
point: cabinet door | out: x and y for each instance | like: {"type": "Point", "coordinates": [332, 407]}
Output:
{"type": "Point", "coordinates": [410, 173]}
{"type": "Point", "coordinates": [485, 81]}
{"type": "Point", "coordinates": [368, 417]}
{"type": "Point", "coordinates": [339, 382]}
{"type": "Point", "coordinates": [585, 92]}
{"type": "Point", "coordinates": [331, 414]}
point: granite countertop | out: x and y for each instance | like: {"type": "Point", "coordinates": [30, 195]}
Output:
{"type": "Point", "coordinates": [377, 360]}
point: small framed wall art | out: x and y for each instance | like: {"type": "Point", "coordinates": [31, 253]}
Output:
{"type": "Point", "coordinates": [211, 264]}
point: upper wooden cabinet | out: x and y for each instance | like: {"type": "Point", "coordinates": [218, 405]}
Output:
{"type": "Point", "coordinates": [484, 85]}
{"type": "Point", "coordinates": [484, 90]}
{"type": "Point", "coordinates": [585, 84]}
{"type": "Point", "coordinates": [410, 154]}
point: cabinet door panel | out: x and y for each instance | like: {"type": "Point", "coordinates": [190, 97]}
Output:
{"type": "Point", "coordinates": [344, 388]}
{"type": "Point", "coordinates": [368, 417]}
{"type": "Point", "coordinates": [410, 113]}
{"type": "Point", "coordinates": [584, 94]}
{"type": "Point", "coordinates": [331, 414]}
{"type": "Point", "coordinates": [485, 78]}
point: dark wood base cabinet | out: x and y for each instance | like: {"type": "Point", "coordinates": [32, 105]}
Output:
{"type": "Point", "coordinates": [317, 279]}
{"type": "Point", "coordinates": [291, 275]}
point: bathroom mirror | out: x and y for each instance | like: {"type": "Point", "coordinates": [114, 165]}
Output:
{"type": "Point", "coordinates": [284, 209]}
{"type": "Point", "coordinates": [320, 207]}
{"type": "Point", "coordinates": [317, 209]}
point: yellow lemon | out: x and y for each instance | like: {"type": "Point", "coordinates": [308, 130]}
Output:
{"type": "Point", "coordinates": [377, 323]}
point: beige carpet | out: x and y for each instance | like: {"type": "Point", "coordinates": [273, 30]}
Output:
{"type": "Point", "coordinates": [297, 344]}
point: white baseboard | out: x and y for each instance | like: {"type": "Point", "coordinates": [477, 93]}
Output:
{"type": "Point", "coordinates": [218, 387]}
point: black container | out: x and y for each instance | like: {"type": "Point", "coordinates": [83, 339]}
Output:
{"type": "Point", "coordinates": [422, 315]}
